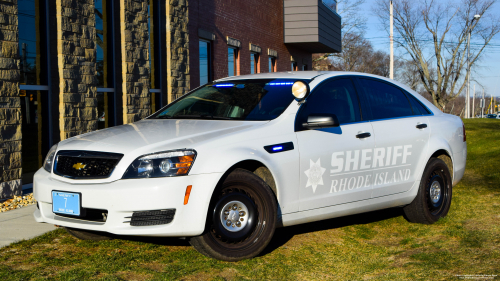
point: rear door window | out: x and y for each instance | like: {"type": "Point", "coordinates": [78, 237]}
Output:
{"type": "Point", "coordinates": [416, 105]}
{"type": "Point", "coordinates": [385, 101]}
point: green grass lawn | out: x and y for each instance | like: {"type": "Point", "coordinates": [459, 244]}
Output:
{"type": "Point", "coordinates": [375, 246]}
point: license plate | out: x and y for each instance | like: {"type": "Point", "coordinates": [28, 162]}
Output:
{"type": "Point", "coordinates": [66, 203]}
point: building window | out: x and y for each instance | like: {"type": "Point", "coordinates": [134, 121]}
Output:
{"type": "Point", "coordinates": [33, 89]}
{"type": "Point", "coordinates": [272, 64]}
{"type": "Point", "coordinates": [254, 63]}
{"type": "Point", "coordinates": [106, 97]}
{"type": "Point", "coordinates": [34, 111]}
{"type": "Point", "coordinates": [232, 61]}
{"type": "Point", "coordinates": [154, 55]}
{"type": "Point", "coordinates": [233, 56]}
{"type": "Point", "coordinates": [294, 66]}
{"type": "Point", "coordinates": [100, 42]}
{"type": "Point", "coordinates": [105, 108]}
{"type": "Point", "coordinates": [204, 62]}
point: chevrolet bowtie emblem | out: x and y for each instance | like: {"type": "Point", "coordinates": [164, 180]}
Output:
{"type": "Point", "coordinates": [79, 166]}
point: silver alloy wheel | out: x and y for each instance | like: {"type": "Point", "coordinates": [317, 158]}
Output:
{"type": "Point", "coordinates": [435, 192]}
{"type": "Point", "coordinates": [234, 216]}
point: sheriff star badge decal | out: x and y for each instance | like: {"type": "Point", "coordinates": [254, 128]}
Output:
{"type": "Point", "coordinates": [314, 174]}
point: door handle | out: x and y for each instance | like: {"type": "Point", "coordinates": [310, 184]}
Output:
{"type": "Point", "coordinates": [363, 135]}
{"type": "Point", "coordinates": [421, 126]}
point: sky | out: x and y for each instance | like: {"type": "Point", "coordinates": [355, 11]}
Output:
{"type": "Point", "coordinates": [486, 73]}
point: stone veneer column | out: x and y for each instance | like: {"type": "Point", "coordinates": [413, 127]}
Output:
{"type": "Point", "coordinates": [10, 103]}
{"type": "Point", "coordinates": [177, 49]}
{"type": "Point", "coordinates": [76, 60]}
{"type": "Point", "coordinates": [135, 59]}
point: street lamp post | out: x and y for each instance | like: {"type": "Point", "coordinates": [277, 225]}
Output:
{"type": "Point", "coordinates": [482, 104]}
{"type": "Point", "coordinates": [467, 100]}
{"type": "Point", "coordinates": [474, 102]}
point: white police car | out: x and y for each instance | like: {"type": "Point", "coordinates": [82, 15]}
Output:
{"type": "Point", "coordinates": [232, 160]}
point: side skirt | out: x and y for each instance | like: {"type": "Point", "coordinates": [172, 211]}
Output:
{"type": "Point", "coordinates": [363, 206]}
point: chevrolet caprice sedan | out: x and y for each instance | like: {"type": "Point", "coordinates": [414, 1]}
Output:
{"type": "Point", "coordinates": [227, 163]}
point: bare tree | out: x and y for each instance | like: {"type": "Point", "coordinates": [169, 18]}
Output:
{"type": "Point", "coordinates": [353, 22]}
{"type": "Point", "coordinates": [407, 72]}
{"type": "Point", "coordinates": [357, 55]}
{"type": "Point", "coordinates": [357, 52]}
{"type": "Point", "coordinates": [434, 34]}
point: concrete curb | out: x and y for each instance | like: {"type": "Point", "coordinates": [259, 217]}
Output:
{"type": "Point", "coordinates": [19, 224]}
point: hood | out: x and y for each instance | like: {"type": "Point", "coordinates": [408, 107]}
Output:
{"type": "Point", "coordinates": [155, 135]}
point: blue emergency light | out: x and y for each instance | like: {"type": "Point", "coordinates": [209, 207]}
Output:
{"type": "Point", "coordinates": [280, 83]}
{"type": "Point", "coordinates": [224, 85]}
{"type": "Point", "coordinates": [279, 147]}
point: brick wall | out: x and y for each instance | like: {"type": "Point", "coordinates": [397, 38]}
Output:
{"type": "Point", "coordinates": [10, 103]}
{"type": "Point", "coordinates": [76, 54]}
{"type": "Point", "coordinates": [259, 22]}
{"type": "Point", "coordinates": [177, 48]}
{"type": "Point", "coordinates": [135, 59]}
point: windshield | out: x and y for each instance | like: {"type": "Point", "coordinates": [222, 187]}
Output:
{"type": "Point", "coordinates": [252, 100]}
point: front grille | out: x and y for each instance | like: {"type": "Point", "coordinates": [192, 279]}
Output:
{"type": "Point", "coordinates": [151, 217]}
{"type": "Point", "coordinates": [85, 164]}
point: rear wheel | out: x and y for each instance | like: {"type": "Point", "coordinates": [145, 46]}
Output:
{"type": "Point", "coordinates": [88, 235]}
{"type": "Point", "coordinates": [241, 220]}
{"type": "Point", "coordinates": [434, 195]}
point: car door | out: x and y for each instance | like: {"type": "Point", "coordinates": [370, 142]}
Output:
{"type": "Point", "coordinates": [334, 162]}
{"type": "Point", "coordinates": [401, 136]}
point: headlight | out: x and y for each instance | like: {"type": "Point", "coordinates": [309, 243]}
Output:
{"type": "Point", "coordinates": [49, 159]}
{"type": "Point", "coordinates": [161, 164]}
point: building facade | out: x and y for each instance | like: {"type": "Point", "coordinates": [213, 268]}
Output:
{"type": "Point", "coordinates": [68, 67]}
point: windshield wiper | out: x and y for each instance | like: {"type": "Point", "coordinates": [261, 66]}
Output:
{"type": "Point", "coordinates": [194, 116]}
{"type": "Point", "coordinates": [224, 118]}
{"type": "Point", "coordinates": [163, 117]}
{"type": "Point", "coordinates": [201, 116]}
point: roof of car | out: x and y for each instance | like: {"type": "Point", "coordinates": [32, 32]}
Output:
{"type": "Point", "coordinates": [288, 75]}
{"type": "Point", "coordinates": [301, 75]}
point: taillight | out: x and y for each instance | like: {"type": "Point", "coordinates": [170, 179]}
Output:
{"type": "Point", "coordinates": [463, 126]}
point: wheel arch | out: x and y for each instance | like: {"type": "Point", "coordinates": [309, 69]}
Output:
{"type": "Point", "coordinates": [444, 155]}
{"type": "Point", "coordinates": [257, 168]}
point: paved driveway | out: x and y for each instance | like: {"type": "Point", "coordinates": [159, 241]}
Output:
{"type": "Point", "coordinates": [19, 224]}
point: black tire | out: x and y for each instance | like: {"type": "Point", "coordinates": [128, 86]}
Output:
{"type": "Point", "coordinates": [230, 242]}
{"type": "Point", "coordinates": [88, 235]}
{"type": "Point", "coordinates": [428, 207]}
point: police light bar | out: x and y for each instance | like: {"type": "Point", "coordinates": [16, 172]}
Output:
{"type": "Point", "coordinates": [223, 85]}
{"type": "Point", "coordinates": [280, 83]}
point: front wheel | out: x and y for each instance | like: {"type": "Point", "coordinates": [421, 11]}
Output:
{"type": "Point", "coordinates": [241, 220]}
{"type": "Point", "coordinates": [434, 195]}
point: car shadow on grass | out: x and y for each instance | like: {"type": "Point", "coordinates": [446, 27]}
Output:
{"type": "Point", "coordinates": [285, 234]}
{"type": "Point", "coordinates": [163, 241]}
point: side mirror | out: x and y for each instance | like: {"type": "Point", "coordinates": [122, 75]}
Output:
{"type": "Point", "coordinates": [319, 121]}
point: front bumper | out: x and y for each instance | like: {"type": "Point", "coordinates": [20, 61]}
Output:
{"type": "Point", "coordinates": [123, 197]}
